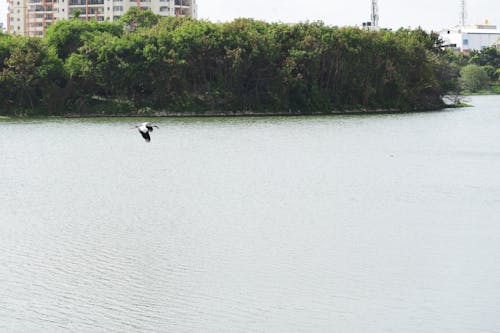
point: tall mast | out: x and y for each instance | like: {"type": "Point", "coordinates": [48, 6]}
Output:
{"type": "Point", "coordinates": [374, 17]}
{"type": "Point", "coordinates": [463, 13]}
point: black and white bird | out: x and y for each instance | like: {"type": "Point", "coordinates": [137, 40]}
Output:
{"type": "Point", "coordinates": [144, 129]}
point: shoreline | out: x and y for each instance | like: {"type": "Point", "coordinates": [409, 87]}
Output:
{"type": "Point", "coordinates": [163, 114]}
{"type": "Point", "coordinates": [249, 114]}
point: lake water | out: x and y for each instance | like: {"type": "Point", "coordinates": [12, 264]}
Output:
{"type": "Point", "coordinates": [381, 223]}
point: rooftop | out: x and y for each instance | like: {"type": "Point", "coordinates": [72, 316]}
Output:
{"type": "Point", "coordinates": [484, 28]}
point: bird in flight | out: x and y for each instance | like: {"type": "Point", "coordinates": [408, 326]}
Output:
{"type": "Point", "coordinates": [144, 129]}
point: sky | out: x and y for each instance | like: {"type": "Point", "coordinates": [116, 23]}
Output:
{"type": "Point", "coordinates": [428, 14]}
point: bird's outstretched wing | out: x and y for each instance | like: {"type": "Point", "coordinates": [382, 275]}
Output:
{"type": "Point", "coordinates": [146, 136]}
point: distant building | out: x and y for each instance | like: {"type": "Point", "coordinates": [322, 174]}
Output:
{"type": "Point", "coordinates": [33, 17]}
{"type": "Point", "coordinates": [471, 37]}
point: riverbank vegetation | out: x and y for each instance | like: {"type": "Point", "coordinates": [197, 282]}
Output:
{"type": "Point", "coordinates": [144, 64]}
{"type": "Point", "coordinates": [478, 72]}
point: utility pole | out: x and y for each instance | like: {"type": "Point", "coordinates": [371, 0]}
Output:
{"type": "Point", "coordinates": [463, 13]}
{"type": "Point", "coordinates": [374, 18]}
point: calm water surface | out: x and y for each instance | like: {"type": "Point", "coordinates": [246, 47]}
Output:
{"type": "Point", "coordinates": [387, 223]}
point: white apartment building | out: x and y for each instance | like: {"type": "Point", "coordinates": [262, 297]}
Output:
{"type": "Point", "coordinates": [33, 17]}
{"type": "Point", "coordinates": [16, 17]}
{"type": "Point", "coordinates": [472, 37]}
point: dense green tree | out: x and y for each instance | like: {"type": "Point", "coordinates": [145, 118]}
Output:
{"type": "Point", "coordinates": [487, 56]}
{"type": "Point", "coordinates": [136, 18]}
{"type": "Point", "coordinates": [66, 36]}
{"type": "Point", "coordinates": [76, 14]}
{"type": "Point", "coordinates": [491, 71]}
{"type": "Point", "coordinates": [185, 65]}
{"type": "Point", "coordinates": [489, 59]}
{"type": "Point", "coordinates": [31, 77]}
{"type": "Point", "coordinates": [473, 78]}
{"type": "Point", "coordinates": [5, 47]}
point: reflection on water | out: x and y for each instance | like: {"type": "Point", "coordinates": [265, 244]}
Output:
{"type": "Point", "coordinates": [347, 223]}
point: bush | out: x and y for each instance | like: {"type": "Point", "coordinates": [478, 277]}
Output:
{"type": "Point", "coordinates": [474, 78]}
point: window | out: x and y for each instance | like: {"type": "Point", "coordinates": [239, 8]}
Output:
{"type": "Point", "coordinates": [93, 10]}
{"type": "Point", "coordinates": [117, 8]}
{"type": "Point", "coordinates": [164, 9]}
{"type": "Point", "coordinates": [465, 42]}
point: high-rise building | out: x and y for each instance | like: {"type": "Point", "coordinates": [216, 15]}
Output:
{"type": "Point", "coordinates": [33, 17]}
{"type": "Point", "coordinates": [16, 16]}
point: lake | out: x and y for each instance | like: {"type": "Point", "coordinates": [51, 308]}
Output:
{"type": "Point", "coordinates": [372, 223]}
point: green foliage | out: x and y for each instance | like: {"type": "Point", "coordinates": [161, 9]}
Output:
{"type": "Point", "coordinates": [495, 88]}
{"type": "Point", "coordinates": [489, 60]}
{"type": "Point", "coordinates": [5, 46]}
{"type": "Point", "coordinates": [31, 76]}
{"type": "Point", "coordinates": [67, 36]}
{"type": "Point", "coordinates": [184, 65]}
{"type": "Point", "coordinates": [487, 56]}
{"type": "Point", "coordinates": [473, 78]}
{"type": "Point", "coordinates": [491, 72]}
{"type": "Point", "coordinates": [457, 58]}
{"type": "Point", "coordinates": [136, 18]}
{"type": "Point", "coordinates": [76, 13]}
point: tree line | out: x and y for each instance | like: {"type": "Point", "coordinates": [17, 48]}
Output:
{"type": "Point", "coordinates": [478, 71]}
{"type": "Point", "coordinates": [143, 63]}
